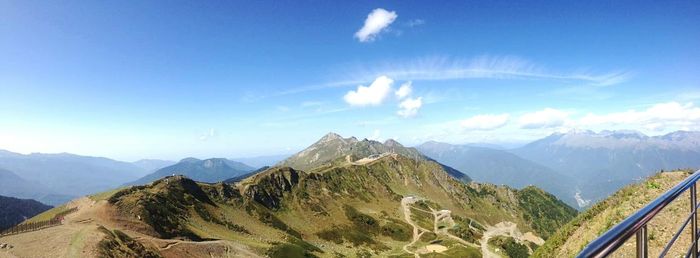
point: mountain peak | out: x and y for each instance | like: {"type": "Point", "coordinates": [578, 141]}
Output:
{"type": "Point", "coordinates": [392, 143]}
{"type": "Point", "coordinates": [190, 160]}
{"type": "Point", "coordinates": [330, 137]}
{"type": "Point", "coordinates": [332, 147]}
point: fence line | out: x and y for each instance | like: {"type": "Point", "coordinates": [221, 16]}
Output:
{"type": "Point", "coordinates": [34, 226]}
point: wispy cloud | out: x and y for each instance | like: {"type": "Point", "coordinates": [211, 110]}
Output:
{"type": "Point", "coordinates": [490, 67]}
{"type": "Point", "coordinates": [485, 122]}
{"type": "Point", "coordinates": [438, 68]}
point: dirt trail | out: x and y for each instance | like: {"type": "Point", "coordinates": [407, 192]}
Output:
{"type": "Point", "coordinates": [78, 237]}
{"type": "Point", "coordinates": [365, 160]}
{"type": "Point", "coordinates": [444, 218]}
{"type": "Point", "coordinates": [417, 231]}
{"type": "Point", "coordinates": [510, 229]}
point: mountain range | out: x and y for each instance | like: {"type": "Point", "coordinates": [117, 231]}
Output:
{"type": "Point", "coordinates": [500, 167]}
{"type": "Point", "coordinates": [579, 167]}
{"type": "Point", "coordinates": [351, 199]}
{"type": "Point", "coordinates": [209, 170]}
{"type": "Point", "coordinates": [601, 163]}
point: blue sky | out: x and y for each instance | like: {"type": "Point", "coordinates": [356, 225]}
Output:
{"type": "Point", "coordinates": [169, 79]}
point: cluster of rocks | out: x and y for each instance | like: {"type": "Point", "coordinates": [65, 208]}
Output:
{"type": "Point", "coordinates": [4, 245]}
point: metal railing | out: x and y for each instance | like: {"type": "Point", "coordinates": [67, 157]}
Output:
{"type": "Point", "coordinates": [636, 224]}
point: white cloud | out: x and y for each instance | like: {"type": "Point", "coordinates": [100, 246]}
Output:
{"type": "Point", "coordinates": [484, 122]}
{"type": "Point", "coordinates": [208, 135]}
{"type": "Point", "coordinates": [404, 90]}
{"type": "Point", "coordinates": [409, 107]}
{"type": "Point", "coordinates": [546, 118]}
{"type": "Point", "coordinates": [372, 95]}
{"type": "Point", "coordinates": [655, 118]}
{"type": "Point", "coordinates": [377, 21]}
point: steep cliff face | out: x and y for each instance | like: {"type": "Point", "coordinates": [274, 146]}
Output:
{"type": "Point", "coordinates": [270, 187]}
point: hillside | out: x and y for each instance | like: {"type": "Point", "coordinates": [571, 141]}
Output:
{"type": "Point", "coordinates": [13, 210]}
{"type": "Point", "coordinates": [208, 170]}
{"type": "Point", "coordinates": [333, 146]}
{"type": "Point", "coordinates": [500, 167]}
{"type": "Point", "coordinates": [604, 162]}
{"type": "Point", "coordinates": [389, 206]}
{"type": "Point", "coordinates": [575, 235]}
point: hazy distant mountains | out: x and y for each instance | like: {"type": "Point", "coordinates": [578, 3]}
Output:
{"type": "Point", "coordinates": [578, 166]}
{"type": "Point", "coordinates": [151, 165]}
{"type": "Point", "coordinates": [56, 178]}
{"type": "Point", "coordinates": [500, 167]}
{"type": "Point", "coordinates": [208, 170]}
{"type": "Point", "coordinates": [331, 147]}
{"type": "Point", "coordinates": [16, 186]}
{"type": "Point", "coordinates": [604, 162]}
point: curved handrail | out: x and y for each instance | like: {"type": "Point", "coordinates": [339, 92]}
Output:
{"type": "Point", "coordinates": [616, 236]}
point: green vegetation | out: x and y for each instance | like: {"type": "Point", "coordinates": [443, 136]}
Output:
{"type": "Point", "coordinates": [47, 215]}
{"type": "Point", "coordinates": [296, 248]}
{"type": "Point", "coordinates": [361, 233]}
{"type": "Point", "coordinates": [116, 244]}
{"type": "Point", "coordinates": [105, 195]}
{"type": "Point", "coordinates": [544, 211]}
{"type": "Point", "coordinates": [463, 231]}
{"type": "Point", "coordinates": [512, 248]}
{"type": "Point", "coordinates": [423, 219]}
{"type": "Point", "coordinates": [397, 230]}
{"type": "Point", "coordinates": [456, 251]}
{"type": "Point", "coordinates": [270, 219]}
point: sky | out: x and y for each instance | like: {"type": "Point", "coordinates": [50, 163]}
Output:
{"type": "Point", "coordinates": [172, 79]}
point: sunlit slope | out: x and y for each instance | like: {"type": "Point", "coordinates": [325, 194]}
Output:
{"type": "Point", "coordinates": [590, 224]}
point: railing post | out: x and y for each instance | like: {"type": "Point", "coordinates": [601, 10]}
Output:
{"type": "Point", "coordinates": [694, 222]}
{"type": "Point", "coordinates": [642, 251]}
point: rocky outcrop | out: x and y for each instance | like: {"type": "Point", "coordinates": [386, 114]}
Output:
{"type": "Point", "coordinates": [270, 187]}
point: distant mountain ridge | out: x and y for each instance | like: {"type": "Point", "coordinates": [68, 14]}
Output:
{"type": "Point", "coordinates": [605, 161]}
{"type": "Point", "coordinates": [208, 170]}
{"type": "Point", "coordinates": [500, 167]}
{"type": "Point", "coordinates": [12, 185]}
{"type": "Point", "coordinates": [63, 176]}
